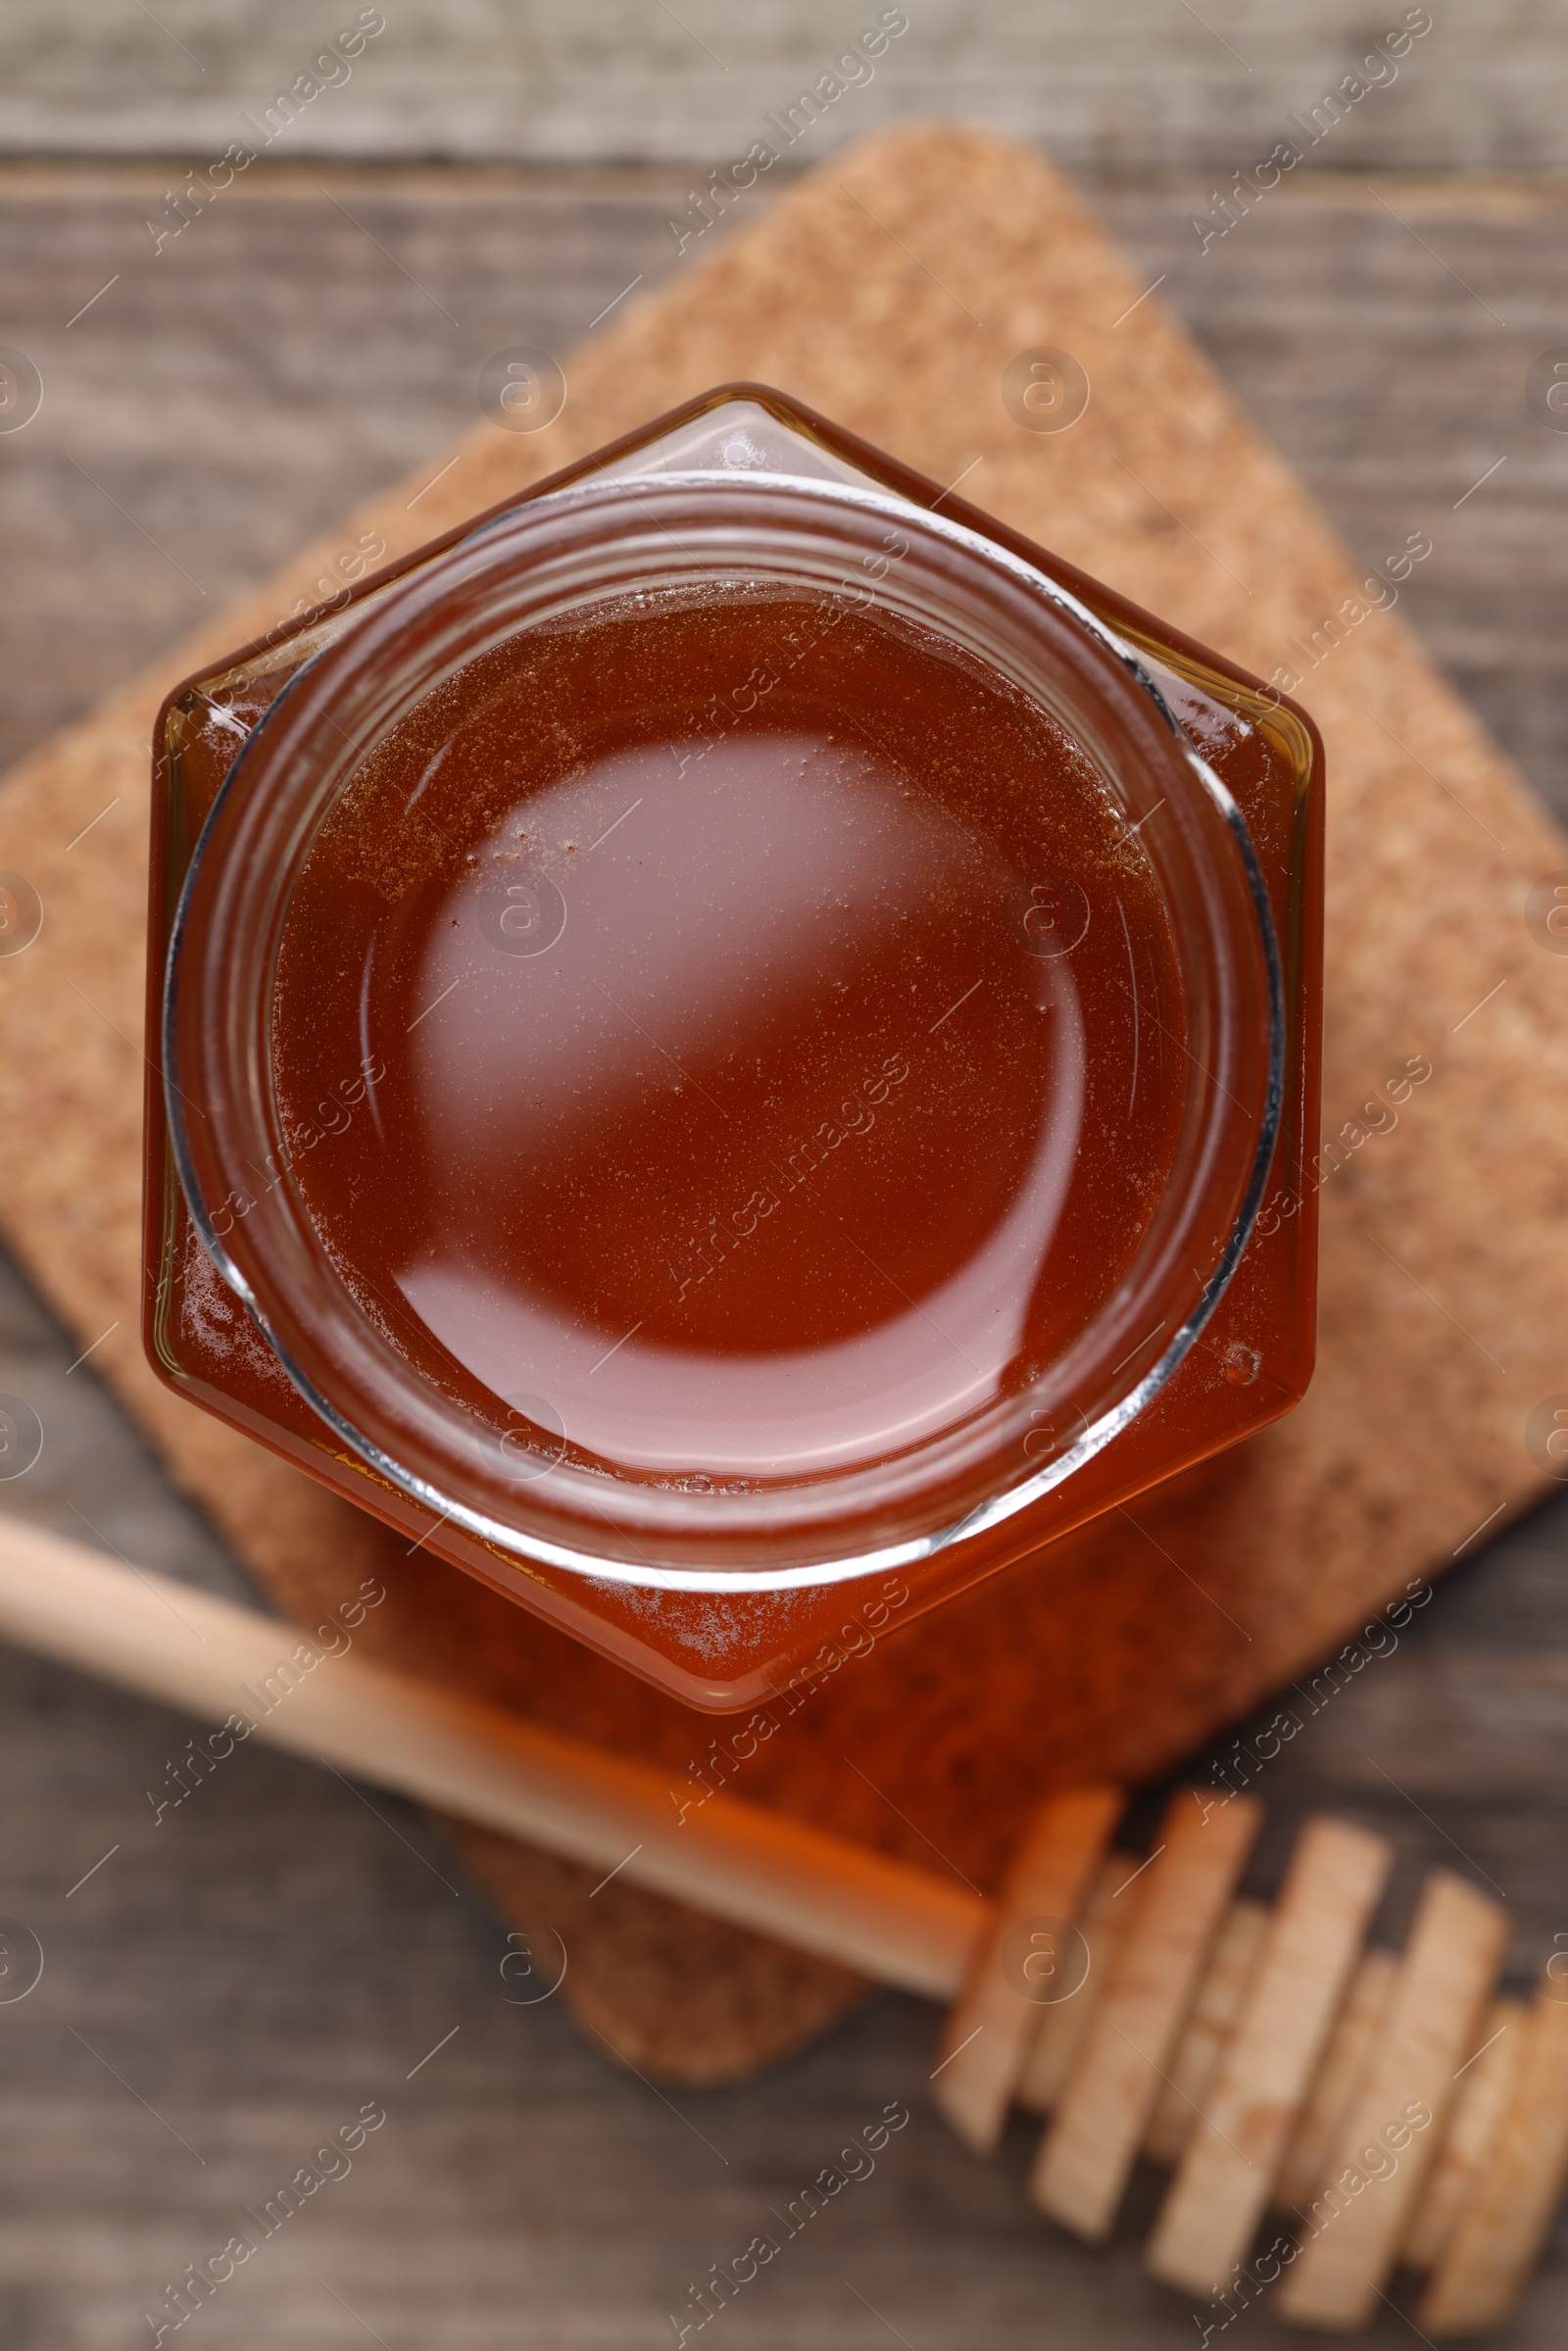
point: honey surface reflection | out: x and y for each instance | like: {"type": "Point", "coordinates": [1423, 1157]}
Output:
{"type": "Point", "coordinates": [750, 1107]}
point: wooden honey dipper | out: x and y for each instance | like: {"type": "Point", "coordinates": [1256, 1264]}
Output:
{"type": "Point", "coordinates": [1273, 2061]}
{"type": "Point", "coordinates": [1263, 2053]}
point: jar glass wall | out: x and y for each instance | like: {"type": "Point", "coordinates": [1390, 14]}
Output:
{"type": "Point", "coordinates": [724, 1034]}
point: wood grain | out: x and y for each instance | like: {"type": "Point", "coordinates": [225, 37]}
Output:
{"type": "Point", "coordinates": [1322, 313]}
{"type": "Point", "coordinates": [1087, 2154]}
{"type": "Point", "coordinates": [1142, 86]}
{"type": "Point", "coordinates": [1360, 2019]}
{"type": "Point", "coordinates": [1379, 2156]}
{"type": "Point", "coordinates": [1062, 2028]}
{"type": "Point", "coordinates": [1210, 2022]}
{"type": "Point", "coordinates": [1488, 2084]}
{"type": "Point", "coordinates": [1514, 2200]}
{"type": "Point", "coordinates": [277, 1897]}
{"type": "Point", "coordinates": [274, 1950]}
{"type": "Point", "coordinates": [1249, 2109]}
{"type": "Point", "coordinates": [730, 1860]}
{"type": "Point", "coordinates": [1298, 1538]}
{"type": "Point", "coordinates": [987, 2033]}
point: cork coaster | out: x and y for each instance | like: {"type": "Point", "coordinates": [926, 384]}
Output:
{"type": "Point", "coordinates": [1446, 1253]}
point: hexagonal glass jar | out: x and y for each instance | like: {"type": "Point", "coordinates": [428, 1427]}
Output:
{"type": "Point", "coordinates": [540, 1273]}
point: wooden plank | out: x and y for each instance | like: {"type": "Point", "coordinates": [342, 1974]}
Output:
{"type": "Point", "coordinates": [1487, 2261]}
{"type": "Point", "coordinates": [1089, 2150]}
{"type": "Point", "coordinates": [567, 83]}
{"type": "Point", "coordinates": [1211, 2216]}
{"type": "Point", "coordinates": [87, 600]}
{"type": "Point", "coordinates": [1379, 2158]}
{"type": "Point", "coordinates": [277, 1895]}
{"type": "Point", "coordinates": [208, 480]}
{"type": "Point", "coordinates": [1332, 254]}
{"type": "Point", "coordinates": [985, 2036]}
{"type": "Point", "coordinates": [1370, 1464]}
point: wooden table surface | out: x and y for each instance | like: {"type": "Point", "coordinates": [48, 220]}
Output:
{"type": "Point", "coordinates": [223, 1988]}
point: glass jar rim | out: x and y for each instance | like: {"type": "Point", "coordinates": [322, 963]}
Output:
{"type": "Point", "coordinates": [553, 555]}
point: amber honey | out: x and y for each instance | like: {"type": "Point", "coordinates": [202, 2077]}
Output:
{"type": "Point", "coordinates": [727, 1109]}
{"type": "Point", "coordinates": [733, 1054]}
